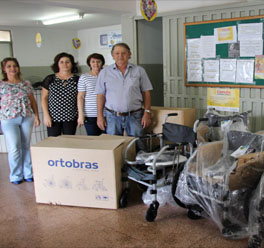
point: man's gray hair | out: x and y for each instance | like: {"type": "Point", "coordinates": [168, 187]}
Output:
{"type": "Point", "coordinates": [122, 45]}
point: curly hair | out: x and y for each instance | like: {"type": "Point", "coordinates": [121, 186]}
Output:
{"type": "Point", "coordinates": [55, 66]}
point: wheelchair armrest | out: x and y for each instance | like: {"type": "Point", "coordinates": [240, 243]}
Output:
{"type": "Point", "coordinates": [167, 116]}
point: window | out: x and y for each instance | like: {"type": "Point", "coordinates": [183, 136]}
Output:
{"type": "Point", "coordinates": [5, 44]}
{"type": "Point", "coordinates": [5, 36]}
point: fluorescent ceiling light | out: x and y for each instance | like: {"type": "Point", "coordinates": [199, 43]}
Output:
{"type": "Point", "coordinates": [63, 19]}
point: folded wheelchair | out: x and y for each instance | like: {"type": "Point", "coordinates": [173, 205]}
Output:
{"type": "Point", "coordinates": [224, 180]}
{"type": "Point", "coordinates": [175, 145]}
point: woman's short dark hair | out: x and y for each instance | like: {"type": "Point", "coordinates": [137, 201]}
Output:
{"type": "Point", "coordinates": [122, 45]}
{"type": "Point", "coordinates": [3, 64]}
{"type": "Point", "coordinates": [95, 56]}
{"type": "Point", "coordinates": [55, 66]}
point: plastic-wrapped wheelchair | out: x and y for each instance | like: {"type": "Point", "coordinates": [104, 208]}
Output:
{"type": "Point", "coordinates": [224, 179]}
{"type": "Point", "coordinates": [175, 143]}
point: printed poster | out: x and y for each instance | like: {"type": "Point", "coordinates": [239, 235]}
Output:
{"type": "Point", "coordinates": [233, 50]}
{"type": "Point", "coordinates": [225, 34]}
{"type": "Point", "coordinates": [223, 99]}
{"type": "Point", "coordinates": [259, 67]}
{"type": "Point", "coordinates": [114, 38]}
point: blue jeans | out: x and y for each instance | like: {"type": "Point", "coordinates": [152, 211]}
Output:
{"type": "Point", "coordinates": [17, 133]}
{"type": "Point", "coordinates": [131, 124]}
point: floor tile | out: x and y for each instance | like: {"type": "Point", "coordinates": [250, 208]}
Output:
{"type": "Point", "coordinates": [25, 223]}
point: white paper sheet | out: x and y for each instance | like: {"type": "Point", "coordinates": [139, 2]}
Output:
{"type": "Point", "coordinates": [208, 46]}
{"type": "Point", "coordinates": [211, 71]}
{"type": "Point", "coordinates": [245, 69]}
{"type": "Point", "coordinates": [251, 48]}
{"type": "Point", "coordinates": [250, 31]}
{"type": "Point", "coordinates": [225, 34]}
{"type": "Point", "coordinates": [228, 70]}
{"type": "Point", "coordinates": [194, 49]}
{"type": "Point", "coordinates": [194, 71]}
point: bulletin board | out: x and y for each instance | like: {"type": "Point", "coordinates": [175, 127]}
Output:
{"type": "Point", "coordinates": [224, 53]}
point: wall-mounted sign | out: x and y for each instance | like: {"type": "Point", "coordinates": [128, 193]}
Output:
{"type": "Point", "coordinates": [148, 9]}
{"type": "Point", "coordinates": [103, 40]}
{"type": "Point", "coordinates": [114, 37]}
{"type": "Point", "coordinates": [38, 39]}
{"type": "Point", "coordinates": [76, 43]}
{"type": "Point", "coordinates": [223, 99]}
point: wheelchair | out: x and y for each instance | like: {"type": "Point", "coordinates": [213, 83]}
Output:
{"type": "Point", "coordinates": [175, 144]}
{"type": "Point", "coordinates": [224, 180]}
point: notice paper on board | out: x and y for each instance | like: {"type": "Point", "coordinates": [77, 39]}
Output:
{"type": "Point", "coordinates": [251, 48]}
{"type": "Point", "coordinates": [194, 49]}
{"type": "Point", "coordinates": [225, 34]}
{"type": "Point", "coordinates": [211, 71]}
{"type": "Point", "coordinates": [194, 70]}
{"type": "Point", "coordinates": [208, 46]}
{"type": "Point", "coordinates": [250, 31]}
{"type": "Point", "coordinates": [245, 71]}
{"type": "Point", "coordinates": [228, 70]}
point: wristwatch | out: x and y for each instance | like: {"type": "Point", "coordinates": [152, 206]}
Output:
{"type": "Point", "coordinates": [148, 111]}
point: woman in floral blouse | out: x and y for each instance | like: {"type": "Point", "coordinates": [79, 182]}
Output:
{"type": "Point", "coordinates": [17, 105]}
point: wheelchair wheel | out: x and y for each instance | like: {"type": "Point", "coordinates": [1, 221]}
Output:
{"type": "Point", "coordinates": [254, 241]}
{"type": "Point", "coordinates": [194, 215]}
{"type": "Point", "coordinates": [123, 201]}
{"type": "Point", "coordinates": [152, 211]}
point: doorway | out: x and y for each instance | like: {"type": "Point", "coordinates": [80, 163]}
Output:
{"type": "Point", "coordinates": [150, 56]}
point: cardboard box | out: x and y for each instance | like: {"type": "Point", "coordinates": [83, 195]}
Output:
{"type": "Point", "coordinates": [76, 171]}
{"type": "Point", "coordinates": [127, 139]}
{"type": "Point", "coordinates": [186, 117]}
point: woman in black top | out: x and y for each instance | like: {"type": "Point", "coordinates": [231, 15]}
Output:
{"type": "Point", "coordinates": [59, 96]}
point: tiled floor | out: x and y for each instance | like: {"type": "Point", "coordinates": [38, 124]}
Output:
{"type": "Point", "coordinates": [24, 223]}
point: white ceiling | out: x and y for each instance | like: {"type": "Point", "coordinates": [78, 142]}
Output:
{"type": "Point", "coordinates": [29, 13]}
{"type": "Point", "coordinates": [98, 13]}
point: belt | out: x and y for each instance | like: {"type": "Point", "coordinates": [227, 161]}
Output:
{"type": "Point", "coordinates": [122, 113]}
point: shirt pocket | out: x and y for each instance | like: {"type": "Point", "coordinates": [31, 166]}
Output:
{"type": "Point", "coordinates": [134, 82]}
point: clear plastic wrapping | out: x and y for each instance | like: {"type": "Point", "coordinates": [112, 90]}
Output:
{"type": "Point", "coordinates": [163, 193]}
{"type": "Point", "coordinates": [214, 125]}
{"type": "Point", "coordinates": [225, 179]}
{"type": "Point", "coordinates": [256, 216]}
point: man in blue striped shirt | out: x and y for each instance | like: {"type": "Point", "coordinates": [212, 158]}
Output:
{"type": "Point", "coordinates": [123, 89]}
